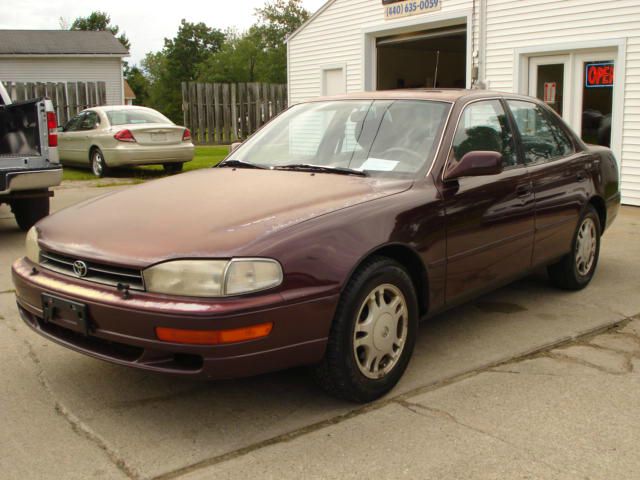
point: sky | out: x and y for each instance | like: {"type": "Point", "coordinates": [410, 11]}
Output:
{"type": "Point", "coordinates": [146, 22]}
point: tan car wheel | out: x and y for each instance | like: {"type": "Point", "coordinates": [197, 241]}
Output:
{"type": "Point", "coordinates": [98, 165]}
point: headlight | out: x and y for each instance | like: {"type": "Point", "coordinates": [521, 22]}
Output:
{"type": "Point", "coordinates": [31, 245]}
{"type": "Point", "coordinates": [213, 278]}
{"type": "Point", "coordinates": [251, 275]}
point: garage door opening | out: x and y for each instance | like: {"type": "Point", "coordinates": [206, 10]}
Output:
{"type": "Point", "coordinates": [429, 59]}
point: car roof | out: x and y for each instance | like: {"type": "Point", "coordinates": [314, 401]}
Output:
{"type": "Point", "coordinates": [110, 108]}
{"type": "Point", "coordinates": [437, 94]}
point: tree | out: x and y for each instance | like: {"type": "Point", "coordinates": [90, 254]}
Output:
{"type": "Point", "coordinates": [259, 54]}
{"type": "Point", "coordinates": [139, 83]}
{"type": "Point", "coordinates": [100, 22]}
{"type": "Point", "coordinates": [179, 62]}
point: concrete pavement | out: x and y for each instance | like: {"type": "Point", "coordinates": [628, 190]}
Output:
{"type": "Point", "coordinates": [460, 411]}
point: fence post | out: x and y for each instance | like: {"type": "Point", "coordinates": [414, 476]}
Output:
{"type": "Point", "coordinates": [234, 113]}
{"type": "Point", "coordinates": [61, 94]}
{"type": "Point", "coordinates": [201, 113]}
{"type": "Point", "coordinates": [211, 119]}
{"type": "Point", "coordinates": [185, 105]}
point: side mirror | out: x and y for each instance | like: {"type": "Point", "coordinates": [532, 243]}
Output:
{"type": "Point", "coordinates": [475, 164]}
{"type": "Point", "coordinates": [234, 146]}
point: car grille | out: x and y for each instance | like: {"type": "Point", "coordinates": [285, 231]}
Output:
{"type": "Point", "coordinates": [96, 272]}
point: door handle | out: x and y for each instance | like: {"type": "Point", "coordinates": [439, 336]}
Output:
{"type": "Point", "coordinates": [581, 177]}
{"type": "Point", "coordinates": [524, 190]}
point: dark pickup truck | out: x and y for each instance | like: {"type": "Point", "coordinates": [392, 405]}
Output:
{"type": "Point", "coordinates": [29, 163]}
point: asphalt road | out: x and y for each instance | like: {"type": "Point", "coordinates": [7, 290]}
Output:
{"type": "Point", "coordinates": [487, 395]}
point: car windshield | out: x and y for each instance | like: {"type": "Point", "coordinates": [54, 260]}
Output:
{"type": "Point", "coordinates": [380, 137]}
{"type": "Point", "coordinates": [135, 117]}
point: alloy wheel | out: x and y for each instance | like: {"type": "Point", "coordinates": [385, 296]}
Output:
{"type": "Point", "coordinates": [586, 244]}
{"type": "Point", "coordinates": [380, 331]}
{"type": "Point", "coordinates": [97, 164]}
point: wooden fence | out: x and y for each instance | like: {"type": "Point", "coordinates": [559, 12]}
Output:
{"type": "Point", "coordinates": [221, 113]}
{"type": "Point", "coordinates": [68, 98]}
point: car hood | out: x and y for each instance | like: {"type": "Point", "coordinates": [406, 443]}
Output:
{"type": "Point", "coordinates": [215, 213]}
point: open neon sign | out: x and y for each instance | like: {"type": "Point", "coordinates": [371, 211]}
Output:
{"type": "Point", "coordinates": [599, 75]}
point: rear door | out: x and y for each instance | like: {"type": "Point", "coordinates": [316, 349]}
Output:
{"type": "Point", "coordinates": [70, 140]}
{"type": "Point", "coordinates": [490, 219]}
{"type": "Point", "coordinates": [558, 176]}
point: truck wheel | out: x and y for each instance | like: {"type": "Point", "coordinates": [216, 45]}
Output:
{"type": "Point", "coordinates": [98, 165]}
{"type": "Point", "coordinates": [373, 333]}
{"type": "Point", "coordinates": [29, 210]}
{"type": "Point", "coordinates": [171, 168]}
{"type": "Point", "coordinates": [576, 269]}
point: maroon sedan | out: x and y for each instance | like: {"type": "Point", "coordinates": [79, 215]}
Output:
{"type": "Point", "coordinates": [323, 239]}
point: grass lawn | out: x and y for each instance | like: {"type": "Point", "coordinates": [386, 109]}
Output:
{"type": "Point", "coordinates": [206, 156]}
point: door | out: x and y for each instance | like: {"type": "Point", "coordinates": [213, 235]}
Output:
{"type": "Point", "coordinates": [594, 96]}
{"type": "Point", "coordinates": [70, 140]}
{"type": "Point", "coordinates": [547, 82]}
{"type": "Point", "coordinates": [490, 219]}
{"type": "Point", "coordinates": [556, 171]}
{"type": "Point", "coordinates": [580, 86]}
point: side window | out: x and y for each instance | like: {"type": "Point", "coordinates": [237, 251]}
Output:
{"type": "Point", "coordinates": [89, 121]}
{"type": "Point", "coordinates": [542, 139]}
{"type": "Point", "coordinates": [73, 124]}
{"type": "Point", "coordinates": [484, 126]}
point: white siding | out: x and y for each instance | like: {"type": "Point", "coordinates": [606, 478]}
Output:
{"type": "Point", "coordinates": [521, 24]}
{"type": "Point", "coordinates": [73, 69]}
{"type": "Point", "coordinates": [336, 36]}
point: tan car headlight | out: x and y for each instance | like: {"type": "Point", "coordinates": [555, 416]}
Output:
{"type": "Point", "coordinates": [212, 278]}
{"type": "Point", "coordinates": [31, 245]}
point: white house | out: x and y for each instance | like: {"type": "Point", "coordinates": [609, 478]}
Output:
{"type": "Point", "coordinates": [63, 56]}
{"type": "Point", "coordinates": [582, 58]}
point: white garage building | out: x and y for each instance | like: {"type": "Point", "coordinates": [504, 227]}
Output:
{"type": "Point", "coordinates": [581, 57]}
{"type": "Point", "coordinates": [63, 56]}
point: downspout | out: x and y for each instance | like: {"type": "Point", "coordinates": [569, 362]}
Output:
{"type": "Point", "coordinates": [482, 77]}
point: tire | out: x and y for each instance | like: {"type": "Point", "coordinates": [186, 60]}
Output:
{"type": "Point", "coordinates": [98, 164]}
{"type": "Point", "coordinates": [576, 269]}
{"type": "Point", "coordinates": [28, 211]}
{"type": "Point", "coordinates": [171, 168]}
{"type": "Point", "coordinates": [350, 349]}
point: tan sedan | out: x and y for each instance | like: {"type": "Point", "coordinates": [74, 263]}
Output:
{"type": "Point", "coordinates": [106, 137]}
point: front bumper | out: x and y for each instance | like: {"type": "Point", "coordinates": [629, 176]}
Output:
{"type": "Point", "coordinates": [123, 330]}
{"type": "Point", "coordinates": [133, 154]}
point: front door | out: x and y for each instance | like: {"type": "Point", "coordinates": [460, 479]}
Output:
{"type": "Point", "coordinates": [490, 219]}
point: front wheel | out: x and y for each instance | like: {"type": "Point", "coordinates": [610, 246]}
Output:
{"type": "Point", "coordinates": [28, 211]}
{"type": "Point", "coordinates": [373, 333]}
{"type": "Point", "coordinates": [576, 269]}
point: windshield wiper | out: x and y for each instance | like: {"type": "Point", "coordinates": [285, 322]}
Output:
{"type": "Point", "coordinates": [306, 167]}
{"type": "Point", "coordinates": [240, 164]}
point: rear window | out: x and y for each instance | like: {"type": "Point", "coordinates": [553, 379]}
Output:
{"type": "Point", "coordinates": [135, 117]}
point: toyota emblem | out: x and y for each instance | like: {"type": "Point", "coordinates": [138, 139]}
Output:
{"type": "Point", "coordinates": [80, 268]}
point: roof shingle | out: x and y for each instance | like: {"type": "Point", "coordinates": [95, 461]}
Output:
{"type": "Point", "coordinates": [59, 42]}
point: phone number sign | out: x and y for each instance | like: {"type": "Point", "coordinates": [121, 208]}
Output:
{"type": "Point", "coordinates": [398, 8]}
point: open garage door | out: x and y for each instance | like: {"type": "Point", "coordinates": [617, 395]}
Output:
{"type": "Point", "coordinates": [427, 59]}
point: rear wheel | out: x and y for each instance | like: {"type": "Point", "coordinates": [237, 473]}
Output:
{"type": "Point", "coordinates": [171, 168]}
{"type": "Point", "coordinates": [98, 165]}
{"type": "Point", "coordinates": [28, 211]}
{"type": "Point", "coordinates": [576, 269]}
{"type": "Point", "coordinates": [373, 333]}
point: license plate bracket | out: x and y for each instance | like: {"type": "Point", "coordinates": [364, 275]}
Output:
{"type": "Point", "coordinates": [66, 313]}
